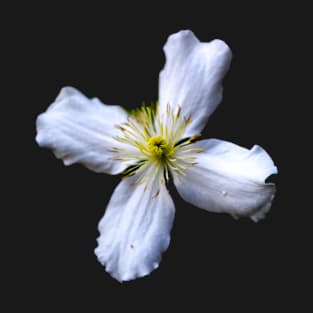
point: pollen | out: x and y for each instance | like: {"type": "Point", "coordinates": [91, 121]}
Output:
{"type": "Point", "coordinates": [158, 147]}
{"type": "Point", "coordinates": [155, 145]}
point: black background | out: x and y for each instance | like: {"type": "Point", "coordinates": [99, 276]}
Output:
{"type": "Point", "coordinates": [116, 54]}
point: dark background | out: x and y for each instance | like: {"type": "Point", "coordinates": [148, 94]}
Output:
{"type": "Point", "coordinates": [116, 54]}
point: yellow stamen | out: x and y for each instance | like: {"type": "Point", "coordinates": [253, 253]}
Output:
{"type": "Point", "coordinates": [159, 142]}
{"type": "Point", "coordinates": [158, 147]}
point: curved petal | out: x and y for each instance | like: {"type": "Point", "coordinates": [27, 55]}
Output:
{"type": "Point", "coordinates": [135, 229]}
{"type": "Point", "coordinates": [80, 130]}
{"type": "Point", "coordinates": [229, 179]}
{"type": "Point", "coordinates": [192, 77]}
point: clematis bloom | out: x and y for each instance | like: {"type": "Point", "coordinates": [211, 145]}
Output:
{"type": "Point", "coordinates": [149, 145]}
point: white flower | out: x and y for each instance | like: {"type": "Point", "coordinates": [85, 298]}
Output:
{"type": "Point", "coordinates": [150, 144]}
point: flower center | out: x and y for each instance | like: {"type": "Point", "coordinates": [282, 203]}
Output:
{"type": "Point", "coordinates": [158, 147]}
{"type": "Point", "coordinates": [154, 145]}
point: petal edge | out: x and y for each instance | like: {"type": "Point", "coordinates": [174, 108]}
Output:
{"type": "Point", "coordinates": [229, 179]}
{"type": "Point", "coordinates": [192, 77]}
{"type": "Point", "coordinates": [79, 130]}
{"type": "Point", "coordinates": [134, 230]}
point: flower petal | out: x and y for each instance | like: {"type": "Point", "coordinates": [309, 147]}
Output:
{"type": "Point", "coordinates": [192, 77]}
{"type": "Point", "coordinates": [81, 130]}
{"type": "Point", "coordinates": [229, 179]}
{"type": "Point", "coordinates": [135, 229]}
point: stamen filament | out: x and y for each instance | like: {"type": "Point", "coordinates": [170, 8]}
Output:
{"type": "Point", "coordinates": [158, 143]}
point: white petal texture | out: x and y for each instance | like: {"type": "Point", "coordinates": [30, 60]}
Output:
{"type": "Point", "coordinates": [229, 179]}
{"type": "Point", "coordinates": [81, 130]}
{"type": "Point", "coordinates": [135, 229]}
{"type": "Point", "coordinates": [192, 77]}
